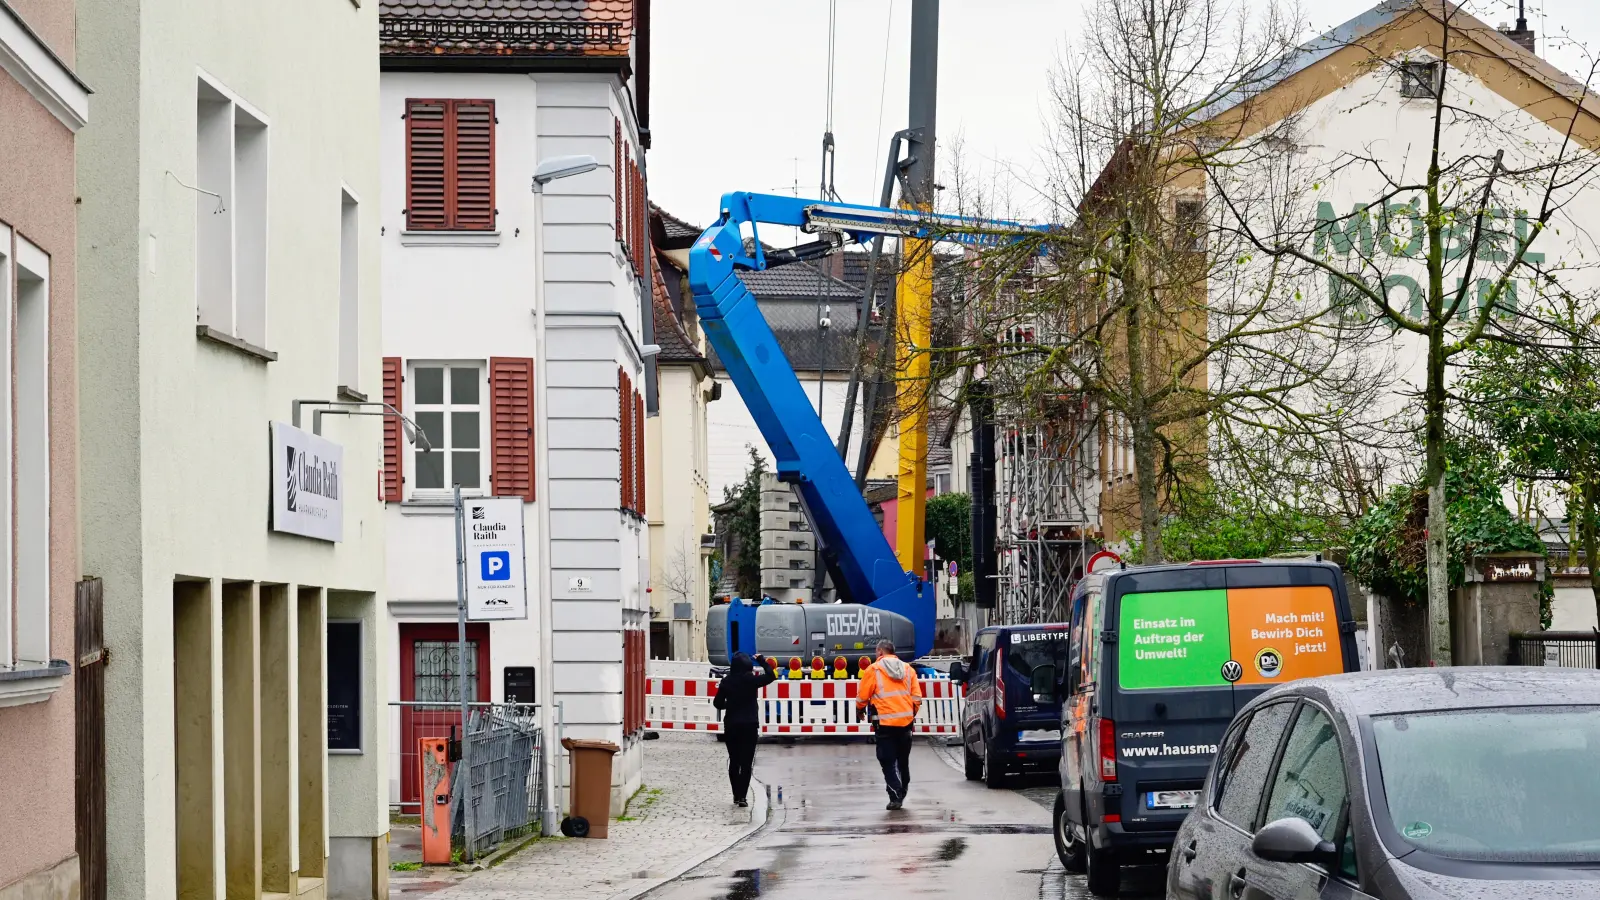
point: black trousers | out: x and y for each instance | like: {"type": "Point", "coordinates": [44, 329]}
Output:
{"type": "Point", "coordinates": [894, 755]}
{"type": "Point", "coordinates": [741, 741]}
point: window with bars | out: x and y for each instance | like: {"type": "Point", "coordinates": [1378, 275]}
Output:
{"type": "Point", "coordinates": [437, 665]}
{"type": "Point", "coordinates": [447, 403]}
{"type": "Point", "coordinates": [450, 165]}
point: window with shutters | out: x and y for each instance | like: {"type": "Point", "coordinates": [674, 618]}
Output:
{"type": "Point", "coordinates": [511, 411]}
{"type": "Point", "coordinates": [448, 402]}
{"type": "Point", "coordinates": [616, 177]}
{"type": "Point", "coordinates": [638, 453]}
{"type": "Point", "coordinates": [450, 165]}
{"type": "Point", "coordinates": [625, 438]}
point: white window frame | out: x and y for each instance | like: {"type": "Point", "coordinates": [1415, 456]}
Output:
{"type": "Point", "coordinates": [7, 606]}
{"type": "Point", "coordinates": [27, 466]}
{"type": "Point", "coordinates": [231, 216]}
{"type": "Point", "coordinates": [349, 289]}
{"type": "Point", "coordinates": [440, 442]}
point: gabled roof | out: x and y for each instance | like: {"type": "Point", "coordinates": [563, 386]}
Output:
{"type": "Point", "coordinates": [585, 28]}
{"type": "Point", "coordinates": [1364, 35]}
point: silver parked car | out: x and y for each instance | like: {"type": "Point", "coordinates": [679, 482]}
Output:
{"type": "Point", "coordinates": [1479, 783]}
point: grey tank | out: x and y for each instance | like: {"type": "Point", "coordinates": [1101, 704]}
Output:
{"type": "Point", "coordinates": [785, 630]}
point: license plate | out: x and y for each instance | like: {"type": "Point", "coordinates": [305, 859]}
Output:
{"type": "Point", "coordinates": [1030, 737]}
{"type": "Point", "coordinates": [1171, 799]}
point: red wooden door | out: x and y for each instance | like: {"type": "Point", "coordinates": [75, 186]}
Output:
{"type": "Point", "coordinates": [430, 669]}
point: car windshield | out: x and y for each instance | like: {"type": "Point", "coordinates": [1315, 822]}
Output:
{"type": "Point", "coordinates": [1511, 785]}
{"type": "Point", "coordinates": [1029, 649]}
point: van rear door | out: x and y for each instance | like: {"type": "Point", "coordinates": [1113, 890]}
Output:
{"type": "Point", "coordinates": [1034, 723]}
{"type": "Point", "coordinates": [1170, 700]}
{"type": "Point", "coordinates": [1287, 622]}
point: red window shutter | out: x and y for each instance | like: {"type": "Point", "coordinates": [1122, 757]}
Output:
{"type": "Point", "coordinates": [511, 395]}
{"type": "Point", "coordinates": [633, 182]}
{"type": "Point", "coordinates": [427, 192]}
{"type": "Point", "coordinates": [474, 164]}
{"type": "Point", "coordinates": [392, 463]}
{"type": "Point", "coordinates": [616, 177]}
{"type": "Point", "coordinates": [624, 442]}
{"type": "Point", "coordinates": [638, 448]}
{"type": "Point", "coordinates": [644, 221]}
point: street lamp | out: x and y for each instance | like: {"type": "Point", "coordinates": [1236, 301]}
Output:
{"type": "Point", "coordinates": [545, 172]}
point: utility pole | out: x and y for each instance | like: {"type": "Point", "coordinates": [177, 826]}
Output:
{"type": "Point", "coordinates": [914, 297]}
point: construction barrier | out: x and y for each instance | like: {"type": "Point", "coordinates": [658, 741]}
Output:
{"type": "Point", "coordinates": [798, 707]}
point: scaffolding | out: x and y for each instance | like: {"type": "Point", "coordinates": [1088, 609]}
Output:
{"type": "Point", "coordinates": [1047, 499]}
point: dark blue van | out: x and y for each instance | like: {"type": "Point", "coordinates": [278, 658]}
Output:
{"type": "Point", "coordinates": [1011, 723]}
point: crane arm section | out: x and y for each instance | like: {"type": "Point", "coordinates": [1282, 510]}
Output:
{"type": "Point", "coordinates": [858, 556]}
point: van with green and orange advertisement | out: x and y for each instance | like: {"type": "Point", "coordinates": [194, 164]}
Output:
{"type": "Point", "coordinates": [1159, 660]}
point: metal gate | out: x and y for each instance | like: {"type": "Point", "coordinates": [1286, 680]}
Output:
{"type": "Point", "coordinates": [90, 697]}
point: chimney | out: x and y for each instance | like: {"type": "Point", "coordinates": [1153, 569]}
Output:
{"type": "Point", "coordinates": [1522, 35]}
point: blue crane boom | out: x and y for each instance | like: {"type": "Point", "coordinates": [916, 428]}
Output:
{"type": "Point", "coordinates": [854, 549]}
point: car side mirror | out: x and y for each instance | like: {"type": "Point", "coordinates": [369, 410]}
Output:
{"type": "Point", "coordinates": [958, 672]}
{"type": "Point", "coordinates": [1293, 840]}
{"type": "Point", "coordinates": [1042, 681]}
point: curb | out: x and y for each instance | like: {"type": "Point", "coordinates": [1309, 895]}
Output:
{"type": "Point", "coordinates": [760, 814]}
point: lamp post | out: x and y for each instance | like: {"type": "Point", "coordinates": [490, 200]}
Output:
{"type": "Point", "coordinates": [546, 172]}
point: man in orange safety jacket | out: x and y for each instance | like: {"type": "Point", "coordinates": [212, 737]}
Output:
{"type": "Point", "coordinates": [890, 687]}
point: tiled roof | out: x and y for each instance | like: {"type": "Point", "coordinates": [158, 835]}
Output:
{"type": "Point", "coordinates": [797, 281]}
{"type": "Point", "coordinates": [505, 27]}
{"type": "Point", "coordinates": [670, 336]}
{"type": "Point", "coordinates": [674, 231]}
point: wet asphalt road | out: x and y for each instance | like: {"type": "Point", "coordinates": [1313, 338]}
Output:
{"type": "Point", "coordinates": [830, 837]}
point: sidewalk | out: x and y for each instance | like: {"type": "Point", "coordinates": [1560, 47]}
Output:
{"type": "Point", "coordinates": [683, 816]}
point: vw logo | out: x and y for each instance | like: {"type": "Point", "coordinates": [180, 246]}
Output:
{"type": "Point", "coordinates": [1232, 671]}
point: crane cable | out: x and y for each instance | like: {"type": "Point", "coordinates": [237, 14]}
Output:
{"type": "Point", "coordinates": [824, 290]}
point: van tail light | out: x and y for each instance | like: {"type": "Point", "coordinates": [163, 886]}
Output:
{"type": "Point", "coordinates": [1000, 682]}
{"type": "Point", "coordinates": [1108, 750]}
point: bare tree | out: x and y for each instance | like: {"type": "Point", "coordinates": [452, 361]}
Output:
{"type": "Point", "coordinates": [1138, 306]}
{"type": "Point", "coordinates": [1447, 246]}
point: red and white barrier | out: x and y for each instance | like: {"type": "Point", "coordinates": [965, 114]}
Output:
{"type": "Point", "coordinates": [799, 707]}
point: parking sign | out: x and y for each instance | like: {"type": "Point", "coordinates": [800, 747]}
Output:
{"type": "Point", "coordinates": [496, 586]}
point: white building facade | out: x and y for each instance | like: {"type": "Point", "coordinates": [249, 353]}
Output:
{"type": "Point", "coordinates": [461, 136]}
{"type": "Point", "coordinates": [228, 273]}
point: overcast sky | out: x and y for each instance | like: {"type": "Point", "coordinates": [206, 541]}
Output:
{"type": "Point", "coordinates": [739, 87]}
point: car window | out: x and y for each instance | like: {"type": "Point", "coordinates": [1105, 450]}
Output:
{"type": "Point", "coordinates": [985, 651]}
{"type": "Point", "coordinates": [1347, 855]}
{"type": "Point", "coordinates": [1513, 784]}
{"type": "Point", "coordinates": [1309, 783]}
{"type": "Point", "coordinates": [1094, 619]}
{"type": "Point", "coordinates": [1075, 654]}
{"type": "Point", "coordinates": [1242, 777]}
{"type": "Point", "coordinates": [1028, 649]}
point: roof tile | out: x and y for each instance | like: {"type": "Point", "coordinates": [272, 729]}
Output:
{"type": "Point", "coordinates": [505, 27]}
{"type": "Point", "coordinates": [670, 336]}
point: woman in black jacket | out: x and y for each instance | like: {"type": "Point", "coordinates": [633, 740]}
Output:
{"type": "Point", "coordinates": [739, 698]}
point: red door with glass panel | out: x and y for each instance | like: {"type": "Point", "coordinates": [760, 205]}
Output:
{"type": "Point", "coordinates": [430, 673]}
